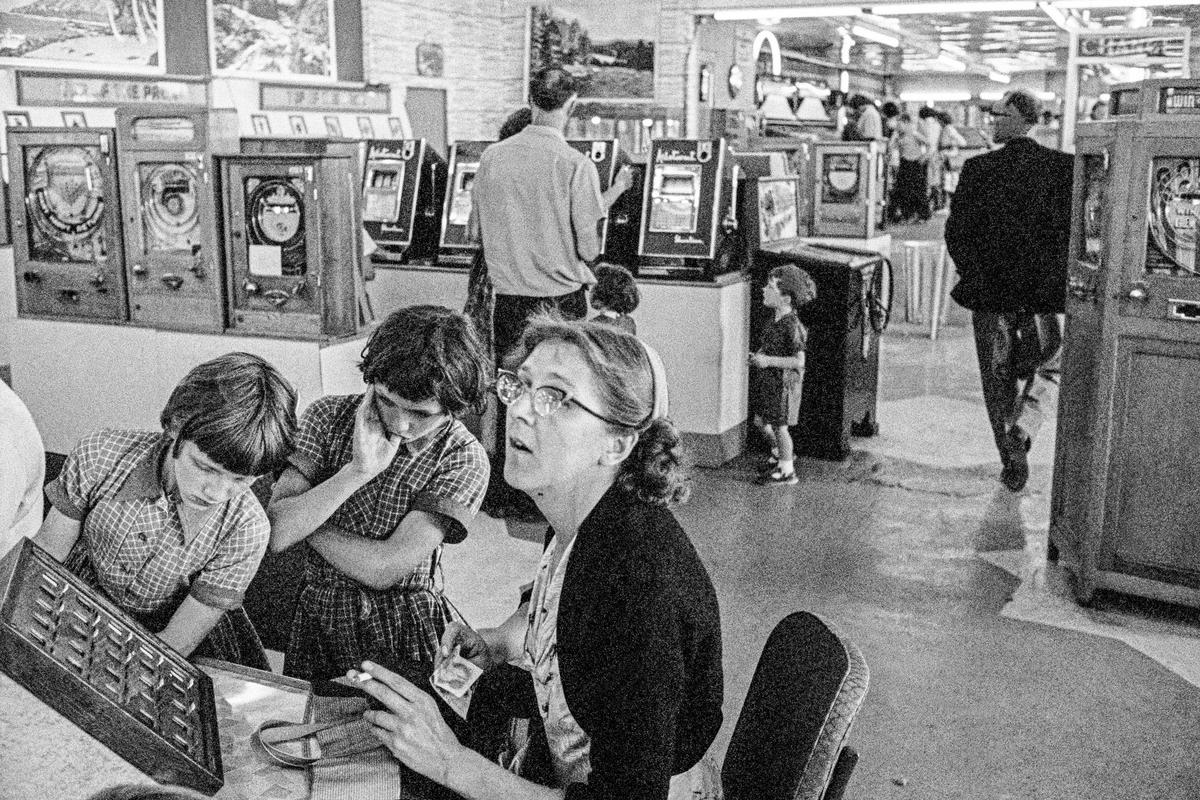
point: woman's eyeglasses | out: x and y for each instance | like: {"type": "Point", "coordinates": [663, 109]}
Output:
{"type": "Point", "coordinates": [546, 399]}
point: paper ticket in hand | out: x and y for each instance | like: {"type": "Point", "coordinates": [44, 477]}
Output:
{"type": "Point", "coordinates": [456, 675]}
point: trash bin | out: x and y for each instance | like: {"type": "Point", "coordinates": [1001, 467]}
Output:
{"type": "Point", "coordinates": [841, 373]}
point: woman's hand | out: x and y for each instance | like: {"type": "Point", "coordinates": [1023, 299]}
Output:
{"type": "Point", "coordinates": [412, 728]}
{"type": "Point", "coordinates": [470, 644]}
{"type": "Point", "coordinates": [373, 450]}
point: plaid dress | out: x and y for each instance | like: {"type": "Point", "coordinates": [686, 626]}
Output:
{"type": "Point", "coordinates": [340, 621]}
{"type": "Point", "coordinates": [134, 546]}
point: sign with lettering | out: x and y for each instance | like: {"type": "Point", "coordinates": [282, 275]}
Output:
{"type": "Point", "coordinates": [1179, 100]}
{"type": "Point", "coordinates": [70, 89]}
{"type": "Point", "coordinates": [290, 97]}
{"type": "Point", "coordinates": [1166, 43]}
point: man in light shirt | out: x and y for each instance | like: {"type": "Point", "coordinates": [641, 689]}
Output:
{"type": "Point", "coordinates": [22, 471]}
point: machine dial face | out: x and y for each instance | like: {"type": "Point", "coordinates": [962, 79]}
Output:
{"type": "Point", "coordinates": [841, 178]}
{"type": "Point", "coordinates": [65, 202]}
{"type": "Point", "coordinates": [170, 207]}
{"type": "Point", "coordinates": [1174, 211]}
{"type": "Point", "coordinates": [275, 218]}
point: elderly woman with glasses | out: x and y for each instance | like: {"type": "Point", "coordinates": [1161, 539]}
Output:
{"type": "Point", "coordinates": [619, 644]}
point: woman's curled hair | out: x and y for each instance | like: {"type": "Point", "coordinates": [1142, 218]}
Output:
{"type": "Point", "coordinates": [654, 470]}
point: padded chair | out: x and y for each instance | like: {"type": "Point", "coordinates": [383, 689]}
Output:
{"type": "Point", "coordinates": [790, 738]}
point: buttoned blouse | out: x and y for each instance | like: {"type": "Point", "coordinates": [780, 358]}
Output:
{"type": "Point", "coordinates": [145, 554]}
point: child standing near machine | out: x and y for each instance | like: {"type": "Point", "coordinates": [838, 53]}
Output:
{"type": "Point", "coordinates": [780, 359]}
{"type": "Point", "coordinates": [615, 296]}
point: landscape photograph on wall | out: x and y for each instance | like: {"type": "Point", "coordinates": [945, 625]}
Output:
{"type": "Point", "coordinates": [273, 37]}
{"type": "Point", "coordinates": [608, 47]}
{"type": "Point", "coordinates": [104, 35]}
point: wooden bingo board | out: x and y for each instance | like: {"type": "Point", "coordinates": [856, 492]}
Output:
{"type": "Point", "coordinates": [88, 660]}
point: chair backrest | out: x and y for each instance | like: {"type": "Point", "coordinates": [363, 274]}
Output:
{"type": "Point", "coordinates": [809, 684]}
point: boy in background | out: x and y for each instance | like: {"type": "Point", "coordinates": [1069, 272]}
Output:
{"type": "Point", "coordinates": [615, 296]}
{"type": "Point", "coordinates": [780, 358]}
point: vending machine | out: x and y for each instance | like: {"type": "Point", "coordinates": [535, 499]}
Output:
{"type": "Point", "coordinates": [847, 189]}
{"type": "Point", "coordinates": [172, 241]}
{"type": "Point", "coordinates": [604, 154]}
{"type": "Point", "coordinates": [67, 249]}
{"type": "Point", "coordinates": [404, 182]}
{"type": "Point", "coordinates": [292, 254]}
{"type": "Point", "coordinates": [689, 211]}
{"type": "Point", "coordinates": [1135, 300]}
{"type": "Point", "coordinates": [456, 247]}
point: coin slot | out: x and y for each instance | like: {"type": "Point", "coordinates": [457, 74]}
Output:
{"type": "Point", "coordinates": [1184, 310]}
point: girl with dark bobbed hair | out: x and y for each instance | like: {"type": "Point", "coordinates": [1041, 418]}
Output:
{"type": "Point", "coordinates": [619, 644]}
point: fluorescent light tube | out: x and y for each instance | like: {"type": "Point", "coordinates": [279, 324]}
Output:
{"type": "Point", "coordinates": [957, 7]}
{"type": "Point", "coordinates": [991, 94]}
{"type": "Point", "coordinates": [1126, 4]}
{"type": "Point", "coordinates": [935, 96]}
{"type": "Point", "coordinates": [998, 77]}
{"type": "Point", "coordinates": [787, 12]}
{"type": "Point", "coordinates": [863, 32]}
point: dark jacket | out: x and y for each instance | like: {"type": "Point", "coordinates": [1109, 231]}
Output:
{"type": "Point", "coordinates": [639, 649]}
{"type": "Point", "coordinates": [1010, 227]}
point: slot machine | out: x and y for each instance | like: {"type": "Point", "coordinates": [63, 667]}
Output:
{"type": "Point", "coordinates": [171, 237]}
{"type": "Point", "coordinates": [1133, 322]}
{"type": "Point", "coordinates": [66, 224]}
{"type": "Point", "coordinates": [404, 182]}
{"type": "Point", "coordinates": [604, 154]}
{"type": "Point", "coordinates": [455, 247]}
{"type": "Point", "coordinates": [624, 223]}
{"type": "Point", "coordinates": [847, 189]}
{"type": "Point", "coordinates": [689, 211]}
{"type": "Point", "coordinates": [292, 262]}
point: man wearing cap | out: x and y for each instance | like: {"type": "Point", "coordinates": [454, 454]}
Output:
{"type": "Point", "coordinates": [1008, 233]}
{"type": "Point", "coordinates": [537, 206]}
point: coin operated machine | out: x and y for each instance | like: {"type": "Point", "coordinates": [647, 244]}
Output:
{"type": "Point", "coordinates": [66, 224]}
{"type": "Point", "coordinates": [171, 235]}
{"type": "Point", "coordinates": [847, 189]}
{"type": "Point", "coordinates": [292, 261]}
{"type": "Point", "coordinates": [1136, 530]}
{"type": "Point", "coordinates": [689, 211]}
{"type": "Point", "coordinates": [404, 182]}
{"type": "Point", "coordinates": [605, 155]}
{"type": "Point", "coordinates": [455, 246]}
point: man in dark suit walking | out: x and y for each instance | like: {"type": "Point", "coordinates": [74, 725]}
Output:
{"type": "Point", "coordinates": [1008, 233]}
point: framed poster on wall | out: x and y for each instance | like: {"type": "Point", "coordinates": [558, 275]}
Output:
{"type": "Point", "coordinates": [90, 35]}
{"type": "Point", "coordinates": [276, 39]}
{"type": "Point", "coordinates": [608, 47]}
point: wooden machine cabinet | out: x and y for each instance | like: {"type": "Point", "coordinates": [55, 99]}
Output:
{"type": "Point", "coordinates": [292, 251]}
{"type": "Point", "coordinates": [171, 235]}
{"type": "Point", "coordinates": [847, 189]}
{"type": "Point", "coordinates": [89, 661]}
{"type": "Point", "coordinates": [1126, 493]}
{"type": "Point", "coordinates": [66, 227]}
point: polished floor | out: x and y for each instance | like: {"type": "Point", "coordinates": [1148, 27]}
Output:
{"type": "Point", "coordinates": [987, 680]}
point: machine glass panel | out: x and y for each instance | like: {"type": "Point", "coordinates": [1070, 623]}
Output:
{"type": "Point", "coordinates": [1174, 206]}
{"type": "Point", "coordinates": [275, 226]}
{"type": "Point", "coordinates": [1095, 192]}
{"type": "Point", "coordinates": [778, 203]}
{"type": "Point", "coordinates": [169, 194]}
{"type": "Point", "coordinates": [65, 196]}
{"type": "Point", "coordinates": [381, 192]}
{"type": "Point", "coordinates": [675, 198]}
{"type": "Point", "coordinates": [460, 192]}
{"type": "Point", "coordinates": [840, 176]}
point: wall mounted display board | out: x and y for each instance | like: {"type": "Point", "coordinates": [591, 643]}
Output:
{"type": "Point", "coordinates": [173, 249]}
{"type": "Point", "coordinates": [67, 246]}
{"type": "Point", "coordinates": [84, 657]}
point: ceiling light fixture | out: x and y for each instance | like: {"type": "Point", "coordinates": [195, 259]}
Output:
{"type": "Point", "coordinates": [1126, 4]}
{"type": "Point", "coordinates": [787, 12]}
{"type": "Point", "coordinates": [935, 96]}
{"type": "Point", "coordinates": [999, 77]}
{"type": "Point", "coordinates": [1059, 17]}
{"type": "Point", "coordinates": [991, 95]}
{"type": "Point", "coordinates": [955, 7]}
{"type": "Point", "coordinates": [863, 32]}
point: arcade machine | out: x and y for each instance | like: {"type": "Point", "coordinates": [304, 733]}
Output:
{"type": "Point", "coordinates": [689, 221]}
{"type": "Point", "coordinates": [403, 185]}
{"type": "Point", "coordinates": [67, 224]}
{"type": "Point", "coordinates": [605, 154]}
{"type": "Point", "coordinates": [292, 261]}
{"type": "Point", "coordinates": [455, 246]}
{"type": "Point", "coordinates": [1136, 530]}
{"type": "Point", "coordinates": [171, 235]}
{"type": "Point", "coordinates": [848, 195]}
{"type": "Point", "coordinates": [851, 310]}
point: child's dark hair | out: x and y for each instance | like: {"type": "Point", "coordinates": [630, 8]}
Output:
{"type": "Point", "coordinates": [238, 410]}
{"type": "Point", "coordinates": [424, 352]}
{"type": "Point", "coordinates": [794, 282]}
{"type": "Point", "coordinates": [654, 471]}
{"type": "Point", "coordinates": [615, 289]}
